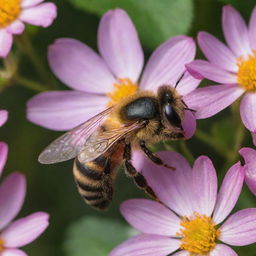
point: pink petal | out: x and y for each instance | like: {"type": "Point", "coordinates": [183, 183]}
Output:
{"type": "Point", "coordinates": [23, 231]}
{"type": "Point", "coordinates": [248, 111]}
{"type": "Point", "coordinates": [240, 228]}
{"type": "Point", "coordinates": [252, 29]}
{"type": "Point", "coordinates": [171, 187]}
{"type": "Point", "coordinates": [203, 69]}
{"type": "Point", "coordinates": [17, 27]}
{"type": "Point", "coordinates": [3, 155]}
{"type": "Point", "coordinates": [63, 110]}
{"type": "Point", "coordinates": [205, 185]}
{"type": "Point", "coordinates": [254, 138]}
{"type": "Point", "coordinates": [119, 45]}
{"type": "Point", "coordinates": [40, 15]}
{"type": "Point", "coordinates": [249, 156]}
{"type": "Point", "coordinates": [223, 250]}
{"type": "Point", "coordinates": [229, 192]}
{"type": "Point", "coordinates": [167, 63]}
{"type": "Point", "coordinates": [79, 67]}
{"type": "Point", "coordinates": [3, 117]}
{"type": "Point", "coordinates": [146, 245]}
{"type": "Point", "coordinates": [13, 252]}
{"type": "Point", "coordinates": [12, 194]}
{"type": "Point", "coordinates": [29, 3]}
{"type": "Point", "coordinates": [189, 124]}
{"type": "Point", "coordinates": [5, 43]}
{"type": "Point", "coordinates": [187, 84]}
{"type": "Point", "coordinates": [235, 31]}
{"type": "Point", "coordinates": [210, 100]}
{"type": "Point", "coordinates": [150, 217]}
{"type": "Point", "coordinates": [217, 52]}
{"type": "Point", "coordinates": [181, 253]}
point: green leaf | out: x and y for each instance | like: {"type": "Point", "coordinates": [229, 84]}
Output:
{"type": "Point", "coordinates": [155, 20]}
{"type": "Point", "coordinates": [95, 236]}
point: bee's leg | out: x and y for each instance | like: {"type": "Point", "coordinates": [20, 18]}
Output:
{"type": "Point", "coordinates": [152, 156]}
{"type": "Point", "coordinates": [138, 178]}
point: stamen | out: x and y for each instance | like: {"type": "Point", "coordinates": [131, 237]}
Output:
{"type": "Point", "coordinates": [1, 245]}
{"type": "Point", "coordinates": [246, 75]}
{"type": "Point", "coordinates": [198, 234]}
{"type": "Point", "coordinates": [123, 89]}
{"type": "Point", "coordinates": [9, 11]}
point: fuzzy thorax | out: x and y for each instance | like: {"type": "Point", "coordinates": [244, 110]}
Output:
{"type": "Point", "coordinates": [9, 12]}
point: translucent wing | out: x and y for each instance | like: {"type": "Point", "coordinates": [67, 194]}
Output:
{"type": "Point", "coordinates": [70, 144]}
{"type": "Point", "coordinates": [99, 142]}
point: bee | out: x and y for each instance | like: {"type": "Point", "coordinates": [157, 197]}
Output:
{"type": "Point", "coordinates": [105, 142]}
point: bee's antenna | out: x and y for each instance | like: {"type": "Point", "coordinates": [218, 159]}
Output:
{"type": "Point", "coordinates": [177, 83]}
{"type": "Point", "coordinates": [190, 109]}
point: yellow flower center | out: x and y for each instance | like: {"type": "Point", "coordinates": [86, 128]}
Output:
{"type": "Point", "coordinates": [198, 234]}
{"type": "Point", "coordinates": [9, 11]}
{"type": "Point", "coordinates": [1, 245]}
{"type": "Point", "coordinates": [246, 75]}
{"type": "Point", "coordinates": [124, 88]}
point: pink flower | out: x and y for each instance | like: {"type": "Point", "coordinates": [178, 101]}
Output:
{"type": "Point", "coordinates": [233, 66]}
{"type": "Point", "coordinates": [13, 15]}
{"type": "Point", "coordinates": [249, 156]}
{"type": "Point", "coordinates": [188, 221]}
{"type": "Point", "coordinates": [15, 234]}
{"type": "Point", "coordinates": [102, 80]}
{"type": "Point", "coordinates": [3, 117]}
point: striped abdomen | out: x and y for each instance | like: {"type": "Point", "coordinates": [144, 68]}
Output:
{"type": "Point", "coordinates": [95, 179]}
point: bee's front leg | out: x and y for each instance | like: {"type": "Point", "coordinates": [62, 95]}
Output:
{"type": "Point", "coordinates": [155, 159]}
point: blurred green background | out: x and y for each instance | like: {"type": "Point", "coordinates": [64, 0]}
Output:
{"type": "Point", "coordinates": [76, 229]}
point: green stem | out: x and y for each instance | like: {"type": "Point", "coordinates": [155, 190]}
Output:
{"type": "Point", "coordinates": [30, 84]}
{"type": "Point", "coordinates": [186, 152]}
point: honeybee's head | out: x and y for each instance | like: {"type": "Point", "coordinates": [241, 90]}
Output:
{"type": "Point", "coordinates": [172, 106]}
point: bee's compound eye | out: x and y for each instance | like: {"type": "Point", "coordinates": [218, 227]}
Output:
{"type": "Point", "coordinates": [172, 116]}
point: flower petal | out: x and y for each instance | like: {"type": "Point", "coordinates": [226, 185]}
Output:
{"type": "Point", "coordinates": [204, 69]}
{"type": "Point", "coordinates": [23, 231]}
{"type": "Point", "coordinates": [252, 29]}
{"type": "Point", "coordinates": [167, 63]}
{"type": "Point", "coordinates": [254, 138]}
{"type": "Point", "coordinates": [240, 228]}
{"type": "Point", "coordinates": [79, 67]}
{"type": "Point", "coordinates": [119, 45]}
{"type": "Point", "coordinates": [3, 117]}
{"type": "Point", "coordinates": [12, 194]}
{"type": "Point", "coordinates": [39, 15]}
{"type": "Point", "coordinates": [64, 110]}
{"type": "Point", "coordinates": [189, 124]}
{"type": "Point", "coordinates": [222, 249]}
{"type": "Point", "coordinates": [3, 155]}
{"type": "Point", "coordinates": [146, 245]}
{"type": "Point", "coordinates": [248, 111]}
{"type": "Point", "coordinates": [235, 31]}
{"type": "Point", "coordinates": [249, 156]}
{"type": "Point", "coordinates": [187, 84]}
{"type": "Point", "coordinates": [171, 187]}
{"type": "Point", "coordinates": [229, 192]}
{"type": "Point", "coordinates": [210, 100]}
{"type": "Point", "coordinates": [6, 40]}
{"type": "Point", "coordinates": [150, 217]}
{"type": "Point", "coordinates": [29, 3]}
{"type": "Point", "coordinates": [13, 252]}
{"type": "Point", "coordinates": [217, 52]}
{"type": "Point", "coordinates": [205, 185]}
{"type": "Point", "coordinates": [181, 253]}
{"type": "Point", "coordinates": [17, 27]}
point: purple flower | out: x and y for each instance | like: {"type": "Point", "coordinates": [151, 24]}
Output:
{"type": "Point", "coordinates": [188, 221]}
{"type": "Point", "coordinates": [3, 117]}
{"type": "Point", "coordinates": [15, 234]}
{"type": "Point", "coordinates": [233, 66]}
{"type": "Point", "coordinates": [13, 15]}
{"type": "Point", "coordinates": [249, 156]}
{"type": "Point", "coordinates": [103, 80]}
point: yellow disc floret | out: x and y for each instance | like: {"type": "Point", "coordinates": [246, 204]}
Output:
{"type": "Point", "coordinates": [198, 234]}
{"type": "Point", "coordinates": [124, 88]}
{"type": "Point", "coordinates": [1, 245]}
{"type": "Point", "coordinates": [246, 75]}
{"type": "Point", "coordinates": [9, 11]}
